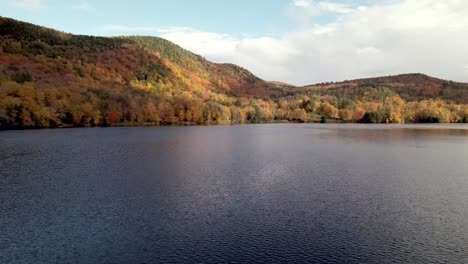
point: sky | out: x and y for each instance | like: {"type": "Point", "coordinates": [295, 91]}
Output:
{"type": "Point", "coordinates": [295, 41]}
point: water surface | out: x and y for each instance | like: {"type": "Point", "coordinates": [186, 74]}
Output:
{"type": "Point", "coordinates": [274, 193]}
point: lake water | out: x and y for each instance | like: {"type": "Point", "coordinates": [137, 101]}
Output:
{"type": "Point", "coordinates": [275, 193]}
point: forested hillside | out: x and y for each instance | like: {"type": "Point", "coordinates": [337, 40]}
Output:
{"type": "Point", "coordinates": [52, 79]}
{"type": "Point", "coordinates": [411, 87]}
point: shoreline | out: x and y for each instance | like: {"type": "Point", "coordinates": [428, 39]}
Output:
{"type": "Point", "coordinates": [192, 124]}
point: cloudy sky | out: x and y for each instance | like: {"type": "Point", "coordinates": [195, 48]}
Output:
{"type": "Point", "coordinates": [295, 41]}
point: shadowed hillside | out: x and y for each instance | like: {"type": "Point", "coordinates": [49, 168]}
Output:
{"type": "Point", "coordinates": [50, 78]}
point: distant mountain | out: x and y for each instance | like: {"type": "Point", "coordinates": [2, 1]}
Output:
{"type": "Point", "coordinates": [50, 78]}
{"type": "Point", "coordinates": [410, 87]}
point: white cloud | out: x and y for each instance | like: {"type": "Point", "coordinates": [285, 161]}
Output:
{"type": "Point", "coordinates": [83, 6]}
{"type": "Point", "coordinates": [217, 46]}
{"type": "Point", "coordinates": [335, 7]}
{"type": "Point", "coordinates": [426, 36]}
{"type": "Point", "coordinates": [305, 10]}
{"type": "Point", "coordinates": [174, 29]}
{"type": "Point", "coordinates": [300, 3]}
{"type": "Point", "coordinates": [369, 50]}
{"type": "Point", "coordinates": [27, 4]}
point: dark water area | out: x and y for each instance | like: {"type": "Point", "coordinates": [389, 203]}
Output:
{"type": "Point", "coordinates": [296, 193]}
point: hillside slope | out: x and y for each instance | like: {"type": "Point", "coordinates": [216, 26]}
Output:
{"type": "Point", "coordinates": [50, 78]}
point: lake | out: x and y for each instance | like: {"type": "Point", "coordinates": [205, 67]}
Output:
{"type": "Point", "coordinates": [271, 193]}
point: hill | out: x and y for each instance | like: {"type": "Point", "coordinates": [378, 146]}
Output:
{"type": "Point", "coordinates": [50, 78]}
{"type": "Point", "coordinates": [411, 87]}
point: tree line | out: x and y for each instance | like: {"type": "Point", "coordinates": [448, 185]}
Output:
{"type": "Point", "coordinates": [24, 105]}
